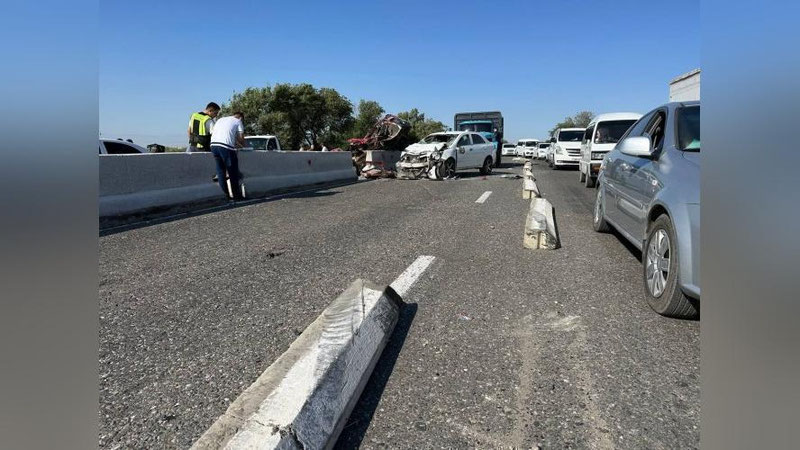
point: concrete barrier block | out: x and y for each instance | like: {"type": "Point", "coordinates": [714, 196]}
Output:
{"type": "Point", "coordinates": [303, 399]}
{"type": "Point", "coordinates": [529, 189]}
{"type": "Point", "coordinates": [136, 183]}
{"type": "Point", "coordinates": [383, 158]}
{"type": "Point", "coordinates": [540, 226]}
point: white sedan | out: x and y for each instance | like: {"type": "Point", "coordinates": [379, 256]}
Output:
{"type": "Point", "coordinates": [440, 155]}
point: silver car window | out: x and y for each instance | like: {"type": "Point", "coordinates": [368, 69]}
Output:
{"type": "Point", "coordinates": [463, 141]}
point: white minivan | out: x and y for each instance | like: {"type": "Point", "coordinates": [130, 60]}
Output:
{"type": "Point", "coordinates": [525, 147]}
{"type": "Point", "coordinates": [600, 138]}
{"type": "Point", "coordinates": [566, 147]}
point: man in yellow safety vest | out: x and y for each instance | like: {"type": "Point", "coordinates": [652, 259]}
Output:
{"type": "Point", "coordinates": [201, 124]}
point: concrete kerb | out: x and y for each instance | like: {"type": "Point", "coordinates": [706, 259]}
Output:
{"type": "Point", "coordinates": [303, 399]}
{"type": "Point", "coordinates": [529, 188]}
{"type": "Point", "coordinates": [540, 226]}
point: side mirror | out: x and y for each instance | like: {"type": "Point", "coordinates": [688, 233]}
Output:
{"type": "Point", "coordinates": [636, 146]}
{"type": "Point", "coordinates": [552, 140]}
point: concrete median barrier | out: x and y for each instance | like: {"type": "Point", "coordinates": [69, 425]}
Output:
{"type": "Point", "coordinates": [529, 188]}
{"type": "Point", "coordinates": [137, 183]}
{"type": "Point", "coordinates": [540, 226]}
{"type": "Point", "coordinates": [303, 399]}
{"type": "Point", "coordinates": [383, 158]}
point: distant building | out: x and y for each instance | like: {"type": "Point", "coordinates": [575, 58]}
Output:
{"type": "Point", "coordinates": [685, 87]}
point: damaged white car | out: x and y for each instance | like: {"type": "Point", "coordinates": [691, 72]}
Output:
{"type": "Point", "coordinates": [439, 155]}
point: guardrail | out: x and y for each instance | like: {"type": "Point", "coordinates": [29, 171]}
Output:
{"type": "Point", "coordinates": [136, 183]}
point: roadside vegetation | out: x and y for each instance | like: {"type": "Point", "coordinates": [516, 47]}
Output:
{"type": "Point", "coordinates": [300, 114]}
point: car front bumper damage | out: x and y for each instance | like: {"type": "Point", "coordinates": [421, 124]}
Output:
{"type": "Point", "coordinates": [414, 167]}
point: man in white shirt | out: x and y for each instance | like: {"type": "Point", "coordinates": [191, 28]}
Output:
{"type": "Point", "coordinates": [227, 136]}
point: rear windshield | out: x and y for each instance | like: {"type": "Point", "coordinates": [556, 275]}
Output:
{"type": "Point", "coordinates": [689, 128]}
{"type": "Point", "coordinates": [570, 136]}
{"type": "Point", "coordinates": [610, 132]}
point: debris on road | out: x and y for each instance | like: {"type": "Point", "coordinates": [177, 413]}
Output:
{"type": "Point", "coordinates": [389, 133]}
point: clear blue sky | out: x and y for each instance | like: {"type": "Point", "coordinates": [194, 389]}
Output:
{"type": "Point", "coordinates": [536, 61]}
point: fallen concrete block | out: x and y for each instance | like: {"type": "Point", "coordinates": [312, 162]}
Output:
{"type": "Point", "coordinates": [303, 399]}
{"type": "Point", "coordinates": [540, 226]}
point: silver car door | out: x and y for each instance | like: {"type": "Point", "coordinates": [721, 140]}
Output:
{"type": "Point", "coordinates": [635, 184]}
{"type": "Point", "coordinates": [618, 167]}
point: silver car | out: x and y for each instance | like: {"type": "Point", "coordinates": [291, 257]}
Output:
{"type": "Point", "coordinates": [649, 190]}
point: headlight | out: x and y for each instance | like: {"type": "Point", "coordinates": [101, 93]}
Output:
{"type": "Point", "coordinates": [597, 155]}
{"type": "Point", "coordinates": [436, 155]}
{"type": "Point", "coordinates": [559, 150]}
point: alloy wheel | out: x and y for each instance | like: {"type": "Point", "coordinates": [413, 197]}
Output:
{"type": "Point", "coordinates": [658, 254]}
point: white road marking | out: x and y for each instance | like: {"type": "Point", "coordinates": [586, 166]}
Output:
{"type": "Point", "coordinates": [407, 279]}
{"type": "Point", "coordinates": [483, 197]}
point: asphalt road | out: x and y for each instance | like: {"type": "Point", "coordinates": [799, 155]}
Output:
{"type": "Point", "coordinates": [498, 345]}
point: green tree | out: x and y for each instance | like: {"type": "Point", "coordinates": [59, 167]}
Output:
{"type": "Point", "coordinates": [296, 113]}
{"type": "Point", "coordinates": [579, 120]}
{"type": "Point", "coordinates": [369, 111]}
{"type": "Point", "coordinates": [420, 126]}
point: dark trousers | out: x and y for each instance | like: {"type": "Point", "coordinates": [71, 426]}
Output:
{"type": "Point", "coordinates": [227, 164]}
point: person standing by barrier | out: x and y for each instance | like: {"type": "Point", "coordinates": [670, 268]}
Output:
{"type": "Point", "coordinates": [201, 125]}
{"type": "Point", "coordinates": [228, 135]}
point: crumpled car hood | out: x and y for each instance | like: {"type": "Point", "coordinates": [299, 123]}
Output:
{"type": "Point", "coordinates": [421, 149]}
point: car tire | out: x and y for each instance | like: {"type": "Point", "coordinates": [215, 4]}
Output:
{"type": "Point", "coordinates": [486, 169]}
{"type": "Point", "coordinates": [589, 181]}
{"type": "Point", "coordinates": [599, 213]}
{"type": "Point", "coordinates": [660, 272]}
{"type": "Point", "coordinates": [581, 176]}
{"type": "Point", "coordinates": [447, 169]}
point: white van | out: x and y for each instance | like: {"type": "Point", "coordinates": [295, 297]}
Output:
{"type": "Point", "coordinates": [566, 147]}
{"type": "Point", "coordinates": [525, 147]}
{"type": "Point", "coordinates": [600, 137]}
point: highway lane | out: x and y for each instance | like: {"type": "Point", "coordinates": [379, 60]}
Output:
{"type": "Point", "coordinates": [498, 345]}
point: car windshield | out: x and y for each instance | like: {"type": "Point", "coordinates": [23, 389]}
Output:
{"type": "Point", "coordinates": [437, 138]}
{"type": "Point", "coordinates": [530, 144]}
{"type": "Point", "coordinates": [570, 136]}
{"type": "Point", "coordinates": [508, 145]}
{"type": "Point", "coordinates": [609, 132]}
{"type": "Point", "coordinates": [544, 145]}
{"type": "Point", "coordinates": [256, 143]}
{"type": "Point", "coordinates": [689, 128]}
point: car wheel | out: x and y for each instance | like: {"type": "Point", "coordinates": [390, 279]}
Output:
{"type": "Point", "coordinates": [599, 217]}
{"type": "Point", "coordinates": [447, 169]}
{"type": "Point", "coordinates": [581, 176]}
{"type": "Point", "coordinates": [660, 273]}
{"type": "Point", "coordinates": [589, 181]}
{"type": "Point", "coordinates": [487, 166]}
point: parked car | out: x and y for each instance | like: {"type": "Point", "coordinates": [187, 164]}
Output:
{"type": "Point", "coordinates": [600, 137]}
{"type": "Point", "coordinates": [120, 147]}
{"type": "Point", "coordinates": [566, 145]}
{"type": "Point", "coordinates": [509, 149]}
{"type": "Point", "coordinates": [519, 150]}
{"type": "Point", "coordinates": [441, 154]}
{"type": "Point", "coordinates": [262, 142]}
{"type": "Point", "coordinates": [541, 152]}
{"type": "Point", "coordinates": [649, 191]}
{"type": "Point", "coordinates": [531, 147]}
